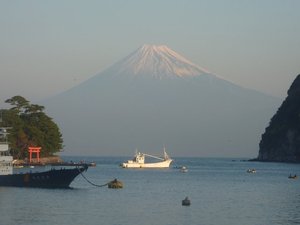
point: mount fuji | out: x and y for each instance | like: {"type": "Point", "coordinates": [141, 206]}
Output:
{"type": "Point", "coordinates": [157, 62]}
{"type": "Point", "coordinates": [156, 97]}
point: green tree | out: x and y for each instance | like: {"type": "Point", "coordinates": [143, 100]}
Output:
{"type": "Point", "coordinates": [30, 126]}
{"type": "Point", "coordinates": [19, 103]}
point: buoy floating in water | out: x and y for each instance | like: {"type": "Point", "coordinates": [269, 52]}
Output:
{"type": "Point", "coordinates": [115, 184]}
{"type": "Point", "coordinates": [186, 201]}
{"type": "Point", "coordinates": [183, 169]}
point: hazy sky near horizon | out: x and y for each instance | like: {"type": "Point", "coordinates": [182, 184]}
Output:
{"type": "Point", "coordinates": [47, 47]}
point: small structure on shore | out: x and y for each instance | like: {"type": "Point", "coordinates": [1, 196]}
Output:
{"type": "Point", "coordinates": [37, 151]}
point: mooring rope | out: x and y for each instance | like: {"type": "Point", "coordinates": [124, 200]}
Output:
{"type": "Point", "coordinates": [96, 185]}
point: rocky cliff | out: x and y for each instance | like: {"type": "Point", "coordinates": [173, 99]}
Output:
{"type": "Point", "coordinates": [281, 140]}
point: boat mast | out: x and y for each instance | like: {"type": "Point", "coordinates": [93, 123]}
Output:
{"type": "Point", "coordinates": [166, 156]}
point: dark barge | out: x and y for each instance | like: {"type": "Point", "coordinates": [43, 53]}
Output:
{"type": "Point", "coordinates": [52, 178]}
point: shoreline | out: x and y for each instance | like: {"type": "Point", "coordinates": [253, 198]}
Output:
{"type": "Point", "coordinates": [43, 161]}
{"type": "Point", "coordinates": [50, 161]}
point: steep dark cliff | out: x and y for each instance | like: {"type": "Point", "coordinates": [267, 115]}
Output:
{"type": "Point", "coordinates": [281, 140]}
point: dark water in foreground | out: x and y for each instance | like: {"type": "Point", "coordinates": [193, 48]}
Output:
{"type": "Point", "coordinates": [220, 190]}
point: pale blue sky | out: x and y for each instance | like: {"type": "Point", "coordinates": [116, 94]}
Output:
{"type": "Point", "coordinates": [49, 46]}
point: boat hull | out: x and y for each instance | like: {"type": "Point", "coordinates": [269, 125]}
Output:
{"type": "Point", "coordinates": [54, 178]}
{"type": "Point", "coordinates": [163, 164]}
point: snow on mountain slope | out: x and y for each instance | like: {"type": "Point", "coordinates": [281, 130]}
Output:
{"type": "Point", "coordinates": [158, 61]}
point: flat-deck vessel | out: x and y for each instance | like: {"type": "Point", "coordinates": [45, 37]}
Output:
{"type": "Point", "coordinates": [53, 178]}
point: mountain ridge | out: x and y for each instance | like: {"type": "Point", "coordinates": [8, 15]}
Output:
{"type": "Point", "coordinates": [122, 111]}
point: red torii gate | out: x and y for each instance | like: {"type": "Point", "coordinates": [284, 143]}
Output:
{"type": "Point", "coordinates": [36, 150]}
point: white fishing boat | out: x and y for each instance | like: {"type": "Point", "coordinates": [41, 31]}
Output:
{"type": "Point", "coordinates": [139, 161]}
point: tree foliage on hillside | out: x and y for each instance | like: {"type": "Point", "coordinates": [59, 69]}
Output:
{"type": "Point", "coordinates": [30, 126]}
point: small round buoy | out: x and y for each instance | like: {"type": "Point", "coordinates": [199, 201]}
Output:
{"type": "Point", "coordinates": [115, 184]}
{"type": "Point", "coordinates": [186, 201]}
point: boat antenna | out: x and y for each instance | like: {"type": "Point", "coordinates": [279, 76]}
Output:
{"type": "Point", "coordinates": [165, 153]}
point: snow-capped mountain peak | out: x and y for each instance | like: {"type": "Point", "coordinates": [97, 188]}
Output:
{"type": "Point", "coordinates": [158, 61]}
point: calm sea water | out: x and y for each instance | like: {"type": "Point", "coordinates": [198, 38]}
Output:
{"type": "Point", "coordinates": [221, 192]}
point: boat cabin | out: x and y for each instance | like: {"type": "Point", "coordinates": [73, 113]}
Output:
{"type": "Point", "coordinates": [5, 157]}
{"type": "Point", "coordinates": [138, 158]}
{"type": "Point", "coordinates": [5, 160]}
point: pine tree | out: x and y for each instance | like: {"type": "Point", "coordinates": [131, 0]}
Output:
{"type": "Point", "coordinates": [30, 126]}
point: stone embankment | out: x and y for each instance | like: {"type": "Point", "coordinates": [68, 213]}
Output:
{"type": "Point", "coordinates": [43, 160]}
